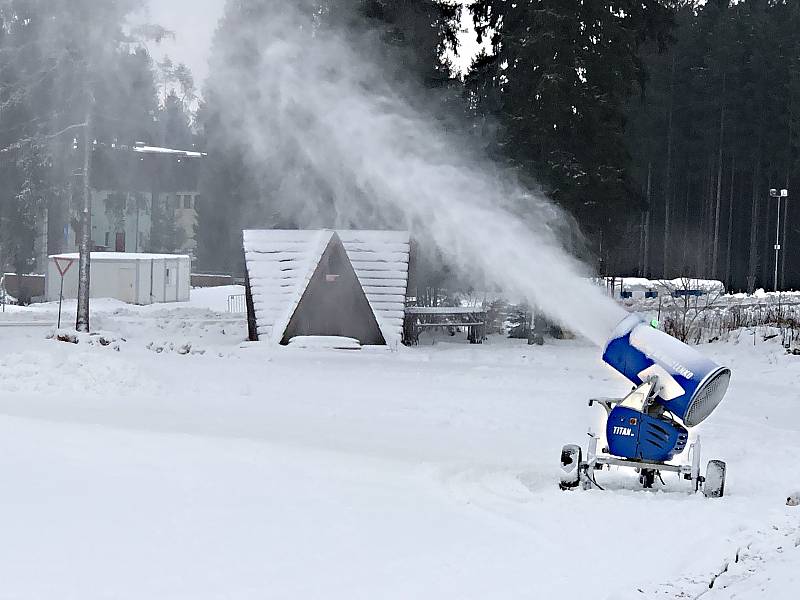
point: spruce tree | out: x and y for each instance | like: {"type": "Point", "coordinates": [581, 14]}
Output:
{"type": "Point", "coordinates": [561, 73]}
{"type": "Point", "coordinates": [57, 59]}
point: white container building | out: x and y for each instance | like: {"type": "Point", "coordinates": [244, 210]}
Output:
{"type": "Point", "coordinates": [129, 277]}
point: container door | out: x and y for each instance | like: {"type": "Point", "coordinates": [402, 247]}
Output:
{"type": "Point", "coordinates": [126, 278]}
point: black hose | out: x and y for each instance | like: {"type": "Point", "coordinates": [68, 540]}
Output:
{"type": "Point", "coordinates": [594, 481]}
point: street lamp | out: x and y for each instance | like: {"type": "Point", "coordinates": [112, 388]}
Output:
{"type": "Point", "coordinates": [779, 194]}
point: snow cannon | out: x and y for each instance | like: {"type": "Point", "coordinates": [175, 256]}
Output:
{"type": "Point", "coordinates": [690, 385]}
{"type": "Point", "coordinates": [675, 388]}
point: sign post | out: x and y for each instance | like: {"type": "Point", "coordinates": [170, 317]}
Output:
{"type": "Point", "coordinates": [63, 265]}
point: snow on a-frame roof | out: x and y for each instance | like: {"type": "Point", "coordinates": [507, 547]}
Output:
{"type": "Point", "coordinates": [380, 259]}
{"type": "Point", "coordinates": [280, 264]}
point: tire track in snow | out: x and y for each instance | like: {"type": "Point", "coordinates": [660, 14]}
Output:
{"type": "Point", "coordinates": [498, 492]}
{"type": "Point", "coordinates": [744, 572]}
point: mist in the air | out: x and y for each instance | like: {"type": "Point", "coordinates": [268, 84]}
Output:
{"type": "Point", "coordinates": [342, 145]}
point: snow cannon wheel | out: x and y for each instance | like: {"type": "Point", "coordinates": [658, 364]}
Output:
{"type": "Point", "coordinates": [714, 484]}
{"type": "Point", "coordinates": [571, 461]}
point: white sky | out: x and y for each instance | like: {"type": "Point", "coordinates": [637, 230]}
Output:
{"type": "Point", "coordinates": [194, 23]}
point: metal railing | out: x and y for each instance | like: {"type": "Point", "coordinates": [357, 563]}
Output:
{"type": "Point", "coordinates": [3, 292]}
{"type": "Point", "coordinates": [237, 304]}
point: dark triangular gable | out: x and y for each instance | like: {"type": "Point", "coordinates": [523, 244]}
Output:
{"type": "Point", "coordinates": [334, 302]}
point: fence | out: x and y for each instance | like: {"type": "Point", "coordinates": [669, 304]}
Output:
{"type": "Point", "coordinates": [783, 316]}
{"type": "Point", "coordinates": [697, 320]}
{"type": "Point", "coordinates": [237, 304]}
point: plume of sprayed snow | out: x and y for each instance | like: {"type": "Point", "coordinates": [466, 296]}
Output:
{"type": "Point", "coordinates": [343, 147]}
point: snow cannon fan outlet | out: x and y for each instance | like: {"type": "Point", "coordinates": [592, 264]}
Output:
{"type": "Point", "coordinates": [676, 388]}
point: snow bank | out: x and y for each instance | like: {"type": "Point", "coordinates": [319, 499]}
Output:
{"type": "Point", "coordinates": [214, 298]}
{"type": "Point", "coordinates": [324, 342]}
{"type": "Point", "coordinates": [250, 471]}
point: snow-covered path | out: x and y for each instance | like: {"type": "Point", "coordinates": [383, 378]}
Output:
{"type": "Point", "coordinates": [235, 471]}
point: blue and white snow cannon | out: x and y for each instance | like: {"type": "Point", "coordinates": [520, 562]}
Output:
{"type": "Point", "coordinates": [675, 389]}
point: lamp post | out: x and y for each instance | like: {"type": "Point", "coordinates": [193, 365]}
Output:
{"type": "Point", "coordinates": [779, 194]}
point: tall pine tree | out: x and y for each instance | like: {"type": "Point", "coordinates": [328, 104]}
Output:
{"type": "Point", "coordinates": [560, 73]}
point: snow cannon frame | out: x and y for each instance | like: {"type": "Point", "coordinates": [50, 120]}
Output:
{"type": "Point", "coordinates": [675, 388]}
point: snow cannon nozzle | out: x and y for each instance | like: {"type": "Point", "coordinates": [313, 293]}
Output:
{"type": "Point", "coordinates": [690, 385]}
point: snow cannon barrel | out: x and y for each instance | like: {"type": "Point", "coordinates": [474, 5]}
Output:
{"type": "Point", "coordinates": [691, 385]}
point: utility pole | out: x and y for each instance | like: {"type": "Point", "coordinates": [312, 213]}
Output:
{"type": "Point", "coordinates": [779, 195]}
{"type": "Point", "coordinates": [783, 237]}
{"type": "Point", "coordinates": [646, 249]}
{"type": "Point", "coordinates": [84, 264]}
{"type": "Point", "coordinates": [783, 243]}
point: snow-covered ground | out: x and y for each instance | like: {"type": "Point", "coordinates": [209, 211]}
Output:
{"type": "Point", "coordinates": [180, 462]}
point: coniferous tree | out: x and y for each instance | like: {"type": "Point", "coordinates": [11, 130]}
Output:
{"type": "Point", "coordinates": [716, 126]}
{"type": "Point", "coordinates": [61, 61]}
{"type": "Point", "coordinates": [560, 73]}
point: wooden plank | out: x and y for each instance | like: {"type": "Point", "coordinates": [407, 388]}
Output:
{"type": "Point", "coordinates": [254, 236]}
{"type": "Point", "coordinates": [387, 297]}
{"type": "Point", "coordinates": [274, 297]}
{"type": "Point", "coordinates": [282, 285]}
{"type": "Point", "coordinates": [367, 277]}
{"type": "Point", "coordinates": [269, 304]}
{"type": "Point", "coordinates": [276, 281]}
{"type": "Point", "coordinates": [387, 307]}
{"type": "Point", "coordinates": [391, 314]}
{"type": "Point", "coordinates": [369, 266]}
{"type": "Point", "coordinates": [273, 266]}
{"type": "Point", "coordinates": [378, 256]}
{"type": "Point", "coordinates": [373, 236]}
{"type": "Point", "coordinates": [383, 283]}
{"type": "Point", "coordinates": [271, 248]}
{"type": "Point", "coordinates": [282, 256]}
{"type": "Point", "coordinates": [382, 291]}
{"type": "Point", "coordinates": [264, 270]}
{"type": "Point", "coordinates": [387, 247]}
